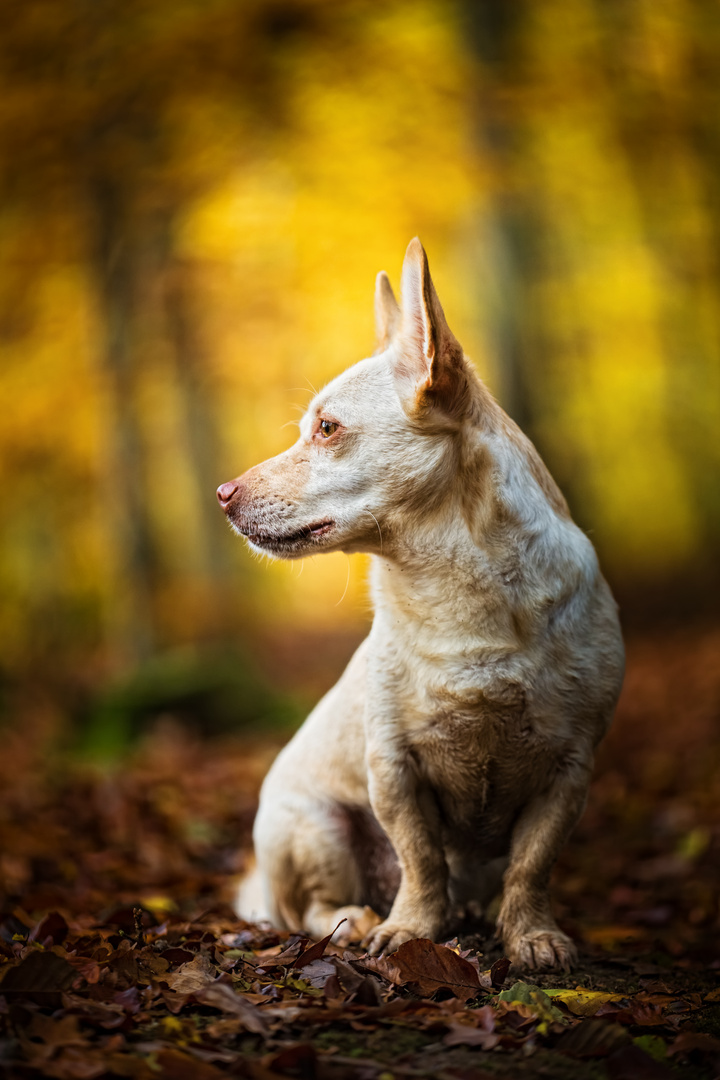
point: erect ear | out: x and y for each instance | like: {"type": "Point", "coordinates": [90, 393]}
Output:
{"type": "Point", "coordinates": [387, 312]}
{"type": "Point", "coordinates": [429, 355]}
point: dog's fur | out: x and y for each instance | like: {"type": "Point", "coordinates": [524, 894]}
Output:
{"type": "Point", "coordinates": [454, 754]}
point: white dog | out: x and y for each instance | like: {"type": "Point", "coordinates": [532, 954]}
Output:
{"type": "Point", "coordinates": [454, 755]}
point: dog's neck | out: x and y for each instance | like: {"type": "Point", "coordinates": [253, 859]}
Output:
{"type": "Point", "coordinates": [487, 565]}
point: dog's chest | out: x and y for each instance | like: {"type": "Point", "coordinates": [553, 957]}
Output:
{"type": "Point", "coordinates": [481, 767]}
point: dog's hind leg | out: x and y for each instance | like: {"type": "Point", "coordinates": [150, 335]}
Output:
{"type": "Point", "coordinates": [310, 876]}
{"type": "Point", "coordinates": [334, 878]}
{"type": "Point", "coordinates": [349, 923]}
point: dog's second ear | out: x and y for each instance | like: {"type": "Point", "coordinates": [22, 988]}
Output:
{"type": "Point", "coordinates": [387, 312]}
{"type": "Point", "coordinates": [430, 364]}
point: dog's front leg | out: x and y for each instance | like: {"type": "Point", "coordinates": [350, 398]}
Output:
{"type": "Point", "coordinates": [408, 814]}
{"type": "Point", "coordinates": [531, 936]}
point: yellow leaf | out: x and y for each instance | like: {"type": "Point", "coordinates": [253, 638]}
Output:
{"type": "Point", "coordinates": [583, 1002]}
{"type": "Point", "coordinates": [609, 936]}
{"type": "Point", "coordinates": [171, 1025]}
{"type": "Point", "coordinates": [159, 905]}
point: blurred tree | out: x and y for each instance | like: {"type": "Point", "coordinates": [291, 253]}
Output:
{"type": "Point", "coordinates": [594, 122]}
{"type": "Point", "coordinates": [506, 238]}
{"type": "Point", "coordinates": [660, 63]}
{"type": "Point", "coordinates": [94, 100]}
{"type": "Point", "coordinates": [195, 199]}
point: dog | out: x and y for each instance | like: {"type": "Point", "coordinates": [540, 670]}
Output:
{"type": "Point", "coordinates": [454, 755]}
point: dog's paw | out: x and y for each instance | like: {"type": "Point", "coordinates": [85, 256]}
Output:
{"type": "Point", "coordinates": [387, 937]}
{"type": "Point", "coordinates": [359, 923]}
{"type": "Point", "coordinates": [542, 949]}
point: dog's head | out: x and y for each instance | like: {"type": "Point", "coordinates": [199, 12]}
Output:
{"type": "Point", "coordinates": [380, 440]}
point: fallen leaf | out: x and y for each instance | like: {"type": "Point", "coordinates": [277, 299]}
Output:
{"type": "Point", "coordinates": [221, 996]}
{"type": "Point", "coordinates": [523, 993]}
{"type": "Point", "coordinates": [177, 1066]}
{"type": "Point", "coordinates": [315, 951]}
{"type": "Point", "coordinates": [473, 1027]}
{"type": "Point", "coordinates": [633, 1013]}
{"type": "Point", "coordinates": [103, 1014]}
{"type": "Point", "coordinates": [60, 1031]}
{"type": "Point", "coordinates": [610, 936]}
{"type": "Point", "coordinates": [499, 970]}
{"type": "Point", "coordinates": [632, 1063]}
{"type": "Point", "coordinates": [652, 1045]}
{"type": "Point", "coordinates": [178, 956]}
{"type": "Point", "coordinates": [460, 1034]}
{"type": "Point", "coordinates": [41, 977]}
{"type": "Point", "coordinates": [53, 926]}
{"type": "Point", "coordinates": [191, 977]}
{"type": "Point", "coordinates": [583, 1002]}
{"type": "Point", "coordinates": [317, 972]}
{"type": "Point", "coordinates": [271, 958]}
{"type": "Point", "coordinates": [299, 1058]}
{"type": "Point", "coordinates": [430, 967]}
{"type": "Point", "coordinates": [75, 1063]}
{"type": "Point", "coordinates": [688, 1041]}
{"type": "Point", "coordinates": [593, 1038]}
{"type": "Point", "coordinates": [363, 988]}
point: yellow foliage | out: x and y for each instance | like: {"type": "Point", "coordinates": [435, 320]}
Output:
{"type": "Point", "coordinates": [561, 195]}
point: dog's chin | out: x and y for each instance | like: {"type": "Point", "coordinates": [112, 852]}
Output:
{"type": "Point", "coordinates": [294, 545]}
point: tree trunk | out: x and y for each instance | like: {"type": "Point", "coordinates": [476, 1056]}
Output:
{"type": "Point", "coordinates": [130, 625]}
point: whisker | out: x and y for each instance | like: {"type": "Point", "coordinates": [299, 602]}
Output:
{"type": "Point", "coordinates": [366, 511]}
{"type": "Point", "coordinates": [347, 583]}
{"type": "Point", "coordinates": [315, 392]}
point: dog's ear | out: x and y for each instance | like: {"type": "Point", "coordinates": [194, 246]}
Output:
{"type": "Point", "coordinates": [429, 357]}
{"type": "Point", "coordinates": [387, 312]}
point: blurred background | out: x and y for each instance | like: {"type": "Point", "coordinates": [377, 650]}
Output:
{"type": "Point", "coordinates": [196, 197]}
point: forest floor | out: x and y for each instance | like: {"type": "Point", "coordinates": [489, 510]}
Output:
{"type": "Point", "coordinates": [119, 955]}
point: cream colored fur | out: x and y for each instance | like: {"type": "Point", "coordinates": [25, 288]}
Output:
{"type": "Point", "coordinates": [455, 752]}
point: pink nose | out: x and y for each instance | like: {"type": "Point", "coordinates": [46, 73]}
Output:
{"type": "Point", "coordinates": [225, 493]}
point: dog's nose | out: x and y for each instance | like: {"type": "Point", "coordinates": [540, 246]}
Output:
{"type": "Point", "coordinates": [225, 493]}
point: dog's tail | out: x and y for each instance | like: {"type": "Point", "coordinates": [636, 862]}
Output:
{"type": "Point", "coordinates": [250, 903]}
{"type": "Point", "coordinates": [255, 903]}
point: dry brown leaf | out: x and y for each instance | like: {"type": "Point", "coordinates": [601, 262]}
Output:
{"type": "Point", "coordinates": [191, 977]}
{"type": "Point", "coordinates": [460, 1034]}
{"type": "Point", "coordinates": [687, 1041]}
{"type": "Point", "coordinates": [429, 967]}
{"type": "Point", "coordinates": [40, 976]}
{"type": "Point", "coordinates": [178, 1066]}
{"type": "Point", "coordinates": [221, 996]}
{"type": "Point", "coordinates": [593, 1038]}
{"type": "Point", "coordinates": [75, 1063]}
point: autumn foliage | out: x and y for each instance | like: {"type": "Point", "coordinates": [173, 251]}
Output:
{"type": "Point", "coordinates": [195, 201]}
{"type": "Point", "coordinates": [120, 956]}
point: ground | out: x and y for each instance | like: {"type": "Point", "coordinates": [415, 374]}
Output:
{"type": "Point", "coordinates": [119, 955]}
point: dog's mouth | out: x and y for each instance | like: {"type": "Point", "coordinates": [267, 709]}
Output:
{"type": "Point", "coordinates": [287, 541]}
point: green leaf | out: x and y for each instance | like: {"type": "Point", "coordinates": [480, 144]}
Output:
{"type": "Point", "coordinates": [528, 994]}
{"type": "Point", "coordinates": [301, 985]}
{"type": "Point", "coordinates": [520, 991]}
{"type": "Point", "coordinates": [652, 1045]}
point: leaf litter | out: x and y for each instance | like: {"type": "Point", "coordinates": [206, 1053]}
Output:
{"type": "Point", "coordinates": [120, 957]}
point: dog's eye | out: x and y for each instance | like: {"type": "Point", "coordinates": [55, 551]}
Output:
{"type": "Point", "coordinates": [327, 428]}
